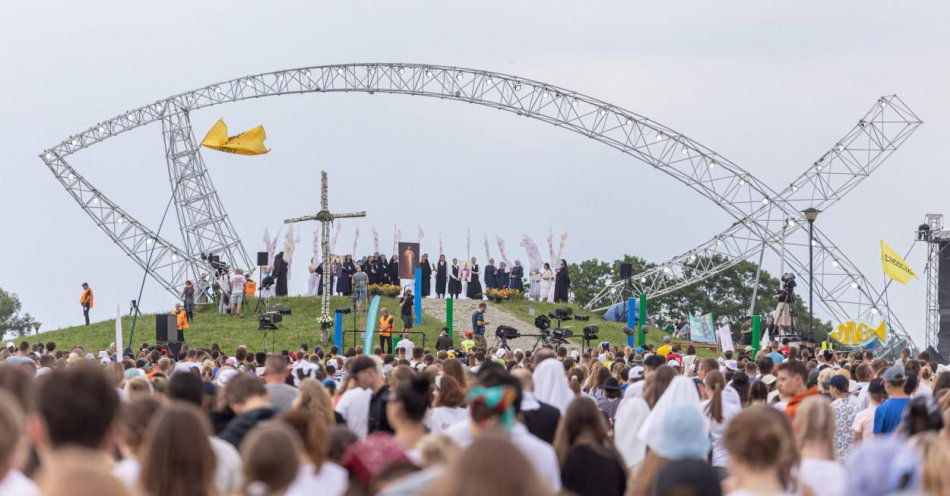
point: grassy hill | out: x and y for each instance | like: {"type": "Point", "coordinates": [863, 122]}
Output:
{"type": "Point", "coordinates": [301, 326]}
{"type": "Point", "coordinates": [229, 332]}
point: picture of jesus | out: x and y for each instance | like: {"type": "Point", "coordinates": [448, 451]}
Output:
{"type": "Point", "coordinates": [408, 260]}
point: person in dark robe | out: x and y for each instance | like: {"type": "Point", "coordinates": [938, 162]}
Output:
{"type": "Point", "coordinates": [280, 275]}
{"type": "Point", "coordinates": [381, 267]}
{"type": "Point", "coordinates": [344, 283]}
{"type": "Point", "coordinates": [474, 290]}
{"type": "Point", "coordinates": [517, 274]}
{"type": "Point", "coordinates": [455, 280]}
{"type": "Point", "coordinates": [319, 273]}
{"type": "Point", "coordinates": [426, 268]}
{"type": "Point", "coordinates": [490, 282]}
{"type": "Point", "coordinates": [441, 275]}
{"type": "Point", "coordinates": [562, 283]}
{"type": "Point", "coordinates": [501, 276]}
{"type": "Point", "coordinates": [393, 271]}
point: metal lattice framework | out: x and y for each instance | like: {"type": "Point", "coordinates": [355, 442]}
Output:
{"type": "Point", "coordinates": [937, 241]}
{"type": "Point", "coordinates": [761, 213]}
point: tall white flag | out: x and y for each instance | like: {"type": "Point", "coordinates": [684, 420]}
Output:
{"type": "Point", "coordinates": [118, 332]}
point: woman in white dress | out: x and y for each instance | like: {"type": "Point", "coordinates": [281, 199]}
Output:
{"type": "Point", "coordinates": [535, 291]}
{"type": "Point", "coordinates": [466, 278]}
{"type": "Point", "coordinates": [547, 283]}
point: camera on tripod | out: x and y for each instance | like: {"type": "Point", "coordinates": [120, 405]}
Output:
{"type": "Point", "coordinates": [787, 293]}
{"type": "Point", "coordinates": [561, 314]}
{"type": "Point", "coordinates": [507, 332]}
{"type": "Point", "coordinates": [268, 321]}
{"type": "Point", "coordinates": [217, 265]}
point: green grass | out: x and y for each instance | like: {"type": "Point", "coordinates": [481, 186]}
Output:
{"type": "Point", "coordinates": [611, 332]}
{"type": "Point", "coordinates": [229, 332]}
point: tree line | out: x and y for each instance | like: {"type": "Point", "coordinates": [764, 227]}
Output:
{"type": "Point", "coordinates": [727, 294]}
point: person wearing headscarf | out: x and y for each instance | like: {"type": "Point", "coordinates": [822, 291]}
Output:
{"type": "Point", "coordinates": [441, 276]}
{"type": "Point", "coordinates": [280, 275]}
{"type": "Point", "coordinates": [550, 384]}
{"type": "Point", "coordinates": [562, 283]}
{"type": "Point", "coordinates": [516, 276]}
{"type": "Point", "coordinates": [426, 268]}
{"type": "Point", "coordinates": [681, 394]}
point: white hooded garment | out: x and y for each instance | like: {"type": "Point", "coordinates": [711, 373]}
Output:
{"type": "Point", "coordinates": [550, 384]}
{"type": "Point", "coordinates": [681, 393]}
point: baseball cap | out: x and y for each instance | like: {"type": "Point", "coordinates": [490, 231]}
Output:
{"type": "Point", "coordinates": [731, 365]}
{"type": "Point", "coordinates": [895, 373]}
{"type": "Point", "coordinates": [839, 382]}
{"type": "Point", "coordinates": [673, 363]}
{"type": "Point", "coordinates": [636, 372]}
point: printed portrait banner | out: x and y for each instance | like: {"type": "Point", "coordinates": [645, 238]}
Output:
{"type": "Point", "coordinates": [408, 260]}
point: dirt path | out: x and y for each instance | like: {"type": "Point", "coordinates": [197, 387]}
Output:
{"type": "Point", "coordinates": [495, 316]}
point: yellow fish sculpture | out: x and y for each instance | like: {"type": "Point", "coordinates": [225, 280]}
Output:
{"type": "Point", "coordinates": [249, 142]}
{"type": "Point", "coordinates": [852, 333]}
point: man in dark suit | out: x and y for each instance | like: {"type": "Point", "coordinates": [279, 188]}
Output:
{"type": "Point", "coordinates": [541, 419]}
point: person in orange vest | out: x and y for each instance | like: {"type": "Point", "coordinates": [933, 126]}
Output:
{"type": "Point", "coordinates": [182, 317]}
{"type": "Point", "coordinates": [86, 300]}
{"type": "Point", "coordinates": [386, 332]}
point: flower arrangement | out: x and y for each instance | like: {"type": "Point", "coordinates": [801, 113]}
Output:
{"type": "Point", "coordinates": [504, 294]}
{"type": "Point", "coordinates": [326, 321]}
{"type": "Point", "coordinates": [391, 290]}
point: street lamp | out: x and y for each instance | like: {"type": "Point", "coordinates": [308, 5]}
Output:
{"type": "Point", "coordinates": [811, 214]}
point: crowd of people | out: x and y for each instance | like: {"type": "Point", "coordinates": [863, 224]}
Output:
{"type": "Point", "coordinates": [605, 421]}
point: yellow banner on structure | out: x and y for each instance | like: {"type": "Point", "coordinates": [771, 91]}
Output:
{"type": "Point", "coordinates": [249, 142]}
{"type": "Point", "coordinates": [894, 266]}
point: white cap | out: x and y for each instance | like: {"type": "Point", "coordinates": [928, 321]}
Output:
{"type": "Point", "coordinates": [731, 365]}
{"type": "Point", "coordinates": [673, 363]}
{"type": "Point", "coordinates": [10, 344]}
{"type": "Point", "coordinates": [636, 372]}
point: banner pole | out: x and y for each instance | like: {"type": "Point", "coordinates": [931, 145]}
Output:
{"type": "Point", "coordinates": [449, 303]}
{"type": "Point", "coordinates": [631, 319]}
{"type": "Point", "coordinates": [756, 334]}
{"type": "Point", "coordinates": [417, 295]}
{"type": "Point", "coordinates": [641, 335]}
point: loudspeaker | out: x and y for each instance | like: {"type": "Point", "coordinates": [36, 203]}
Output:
{"type": "Point", "coordinates": [262, 259]}
{"type": "Point", "coordinates": [166, 328]}
{"type": "Point", "coordinates": [936, 357]}
{"type": "Point", "coordinates": [282, 309]}
{"type": "Point", "coordinates": [626, 270]}
{"type": "Point", "coordinates": [943, 301]}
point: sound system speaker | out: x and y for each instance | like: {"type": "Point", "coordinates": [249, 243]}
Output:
{"type": "Point", "coordinates": [166, 328]}
{"type": "Point", "coordinates": [943, 301]}
{"type": "Point", "coordinates": [626, 270]}
{"type": "Point", "coordinates": [282, 309]}
{"type": "Point", "coordinates": [936, 357]}
{"type": "Point", "coordinates": [262, 258]}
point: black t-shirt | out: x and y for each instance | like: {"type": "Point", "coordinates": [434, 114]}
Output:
{"type": "Point", "coordinates": [377, 411]}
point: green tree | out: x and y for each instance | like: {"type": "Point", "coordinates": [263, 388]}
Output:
{"type": "Point", "coordinates": [11, 321]}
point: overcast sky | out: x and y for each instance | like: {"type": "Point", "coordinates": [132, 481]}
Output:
{"type": "Point", "coordinates": [770, 86]}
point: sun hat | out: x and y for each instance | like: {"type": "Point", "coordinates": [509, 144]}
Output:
{"type": "Point", "coordinates": [768, 379]}
{"type": "Point", "coordinates": [683, 435]}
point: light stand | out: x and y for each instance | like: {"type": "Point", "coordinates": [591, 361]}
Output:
{"type": "Point", "coordinates": [811, 214]}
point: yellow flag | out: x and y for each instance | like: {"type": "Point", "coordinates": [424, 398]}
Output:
{"type": "Point", "coordinates": [894, 266]}
{"type": "Point", "coordinates": [249, 142]}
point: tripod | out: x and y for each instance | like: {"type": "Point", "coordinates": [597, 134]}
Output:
{"type": "Point", "coordinates": [263, 305]}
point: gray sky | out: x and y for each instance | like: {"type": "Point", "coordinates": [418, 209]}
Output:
{"type": "Point", "coordinates": [769, 86]}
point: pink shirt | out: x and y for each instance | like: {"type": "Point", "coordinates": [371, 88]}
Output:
{"type": "Point", "coordinates": [864, 423]}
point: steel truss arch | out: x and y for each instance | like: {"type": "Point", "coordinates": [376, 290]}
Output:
{"type": "Point", "coordinates": [730, 187]}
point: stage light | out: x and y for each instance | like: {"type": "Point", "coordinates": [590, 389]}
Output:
{"type": "Point", "coordinates": [603, 112]}
{"type": "Point", "coordinates": [75, 141]}
{"type": "Point", "coordinates": [883, 103]}
{"type": "Point", "coordinates": [666, 269]}
{"type": "Point", "coordinates": [659, 136]}
{"type": "Point", "coordinates": [643, 279]}
{"type": "Point", "coordinates": [71, 176]}
{"type": "Point", "coordinates": [428, 73]}
{"type": "Point", "coordinates": [814, 242]}
{"type": "Point", "coordinates": [712, 165]}
{"type": "Point", "coordinates": [459, 76]}
{"type": "Point", "coordinates": [628, 122]}
{"type": "Point", "coordinates": [683, 151]}
{"type": "Point", "coordinates": [840, 148]}
{"type": "Point", "coordinates": [49, 155]}
{"type": "Point", "coordinates": [854, 285]}
{"type": "Point", "coordinates": [742, 182]}
{"type": "Point", "coordinates": [306, 73]}
{"type": "Point", "coordinates": [547, 95]}
{"type": "Point", "coordinates": [402, 70]}
{"type": "Point", "coordinates": [834, 263]}
{"type": "Point", "coordinates": [794, 188]}
{"type": "Point", "coordinates": [874, 311]}
{"type": "Point", "coordinates": [95, 200]}
{"type": "Point", "coordinates": [280, 77]}
{"type": "Point", "coordinates": [148, 242]}
{"type": "Point", "coordinates": [692, 258]}
{"type": "Point", "coordinates": [765, 201]}
{"type": "Point", "coordinates": [121, 220]}
{"type": "Point", "coordinates": [818, 167]}
{"type": "Point", "coordinates": [174, 258]}
{"type": "Point", "coordinates": [339, 70]}
{"type": "Point", "coordinates": [517, 86]}
{"type": "Point", "coordinates": [574, 102]}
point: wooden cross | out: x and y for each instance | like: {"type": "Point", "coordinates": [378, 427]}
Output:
{"type": "Point", "coordinates": [325, 218]}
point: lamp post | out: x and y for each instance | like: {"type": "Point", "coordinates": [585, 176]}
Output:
{"type": "Point", "coordinates": [810, 215]}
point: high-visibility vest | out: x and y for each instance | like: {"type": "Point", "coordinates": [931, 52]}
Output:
{"type": "Point", "coordinates": [250, 288]}
{"type": "Point", "coordinates": [386, 326]}
{"type": "Point", "coordinates": [182, 319]}
{"type": "Point", "coordinates": [86, 297]}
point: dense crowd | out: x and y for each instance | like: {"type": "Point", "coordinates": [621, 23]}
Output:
{"type": "Point", "coordinates": [605, 421]}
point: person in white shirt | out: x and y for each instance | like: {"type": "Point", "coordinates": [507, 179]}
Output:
{"type": "Point", "coordinates": [237, 291]}
{"type": "Point", "coordinates": [448, 405]}
{"type": "Point", "coordinates": [316, 474]}
{"type": "Point", "coordinates": [719, 412]}
{"type": "Point", "coordinates": [354, 406]}
{"type": "Point", "coordinates": [406, 344]}
{"type": "Point", "coordinates": [494, 407]}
